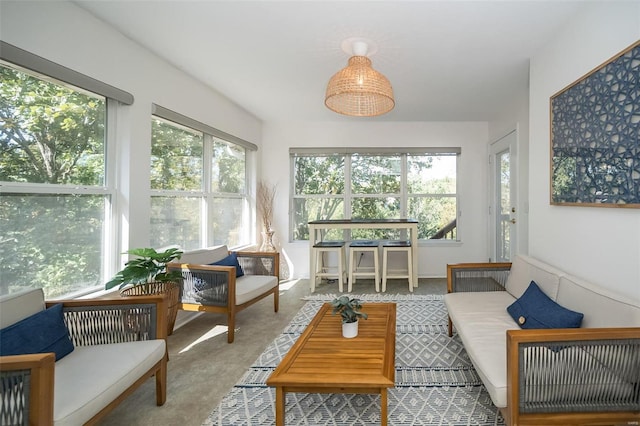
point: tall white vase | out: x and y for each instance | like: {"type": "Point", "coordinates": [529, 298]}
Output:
{"type": "Point", "coordinates": [349, 329]}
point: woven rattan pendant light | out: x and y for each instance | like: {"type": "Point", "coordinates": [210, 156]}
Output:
{"type": "Point", "coordinates": [358, 89]}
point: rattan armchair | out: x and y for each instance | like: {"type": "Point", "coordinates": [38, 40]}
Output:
{"type": "Point", "coordinates": [28, 388]}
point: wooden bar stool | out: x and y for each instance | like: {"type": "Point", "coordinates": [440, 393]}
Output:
{"type": "Point", "coordinates": [396, 246]}
{"type": "Point", "coordinates": [322, 269]}
{"type": "Point", "coordinates": [355, 270]}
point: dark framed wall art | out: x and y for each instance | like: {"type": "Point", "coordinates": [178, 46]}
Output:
{"type": "Point", "coordinates": [595, 136]}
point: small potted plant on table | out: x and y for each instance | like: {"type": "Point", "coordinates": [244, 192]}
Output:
{"type": "Point", "coordinates": [350, 311]}
{"type": "Point", "coordinates": [147, 275]}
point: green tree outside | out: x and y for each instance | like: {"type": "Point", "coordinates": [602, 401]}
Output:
{"type": "Point", "coordinates": [51, 136]}
{"type": "Point", "coordinates": [177, 166]}
{"type": "Point", "coordinates": [376, 180]}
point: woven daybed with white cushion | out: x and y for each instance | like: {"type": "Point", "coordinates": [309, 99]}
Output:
{"type": "Point", "coordinates": [548, 376]}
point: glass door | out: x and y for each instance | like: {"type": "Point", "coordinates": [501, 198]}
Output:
{"type": "Point", "coordinates": [503, 203]}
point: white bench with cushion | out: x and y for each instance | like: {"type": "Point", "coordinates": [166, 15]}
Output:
{"type": "Point", "coordinates": [70, 362]}
{"type": "Point", "coordinates": [218, 280]}
{"type": "Point", "coordinates": [536, 365]}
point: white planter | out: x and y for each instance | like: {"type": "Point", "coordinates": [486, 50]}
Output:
{"type": "Point", "coordinates": [349, 329]}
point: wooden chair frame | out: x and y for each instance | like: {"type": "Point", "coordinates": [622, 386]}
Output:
{"type": "Point", "coordinates": [39, 393]}
{"type": "Point", "coordinates": [469, 277]}
{"type": "Point", "coordinates": [224, 279]}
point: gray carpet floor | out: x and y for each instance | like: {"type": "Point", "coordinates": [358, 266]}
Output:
{"type": "Point", "coordinates": [203, 367]}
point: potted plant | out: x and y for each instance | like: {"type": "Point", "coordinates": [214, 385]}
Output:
{"type": "Point", "coordinates": [147, 274]}
{"type": "Point", "coordinates": [350, 311]}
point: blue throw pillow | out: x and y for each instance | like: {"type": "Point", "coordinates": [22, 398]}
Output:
{"type": "Point", "coordinates": [231, 260]}
{"type": "Point", "coordinates": [534, 309]}
{"type": "Point", "coordinates": [40, 333]}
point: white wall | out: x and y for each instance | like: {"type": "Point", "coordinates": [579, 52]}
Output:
{"type": "Point", "coordinates": [68, 35]}
{"type": "Point", "coordinates": [471, 137]}
{"type": "Point", "coordinates": [601, 245]}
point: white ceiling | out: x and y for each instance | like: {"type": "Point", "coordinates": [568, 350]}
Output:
{"type": "Point", "coordinates": [446, 60]}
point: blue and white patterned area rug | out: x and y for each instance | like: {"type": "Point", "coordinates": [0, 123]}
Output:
{"type": "Point", "coordinates": [435, 380]}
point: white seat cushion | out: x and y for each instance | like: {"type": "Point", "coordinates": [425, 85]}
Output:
{"type": "Point", "coordinates": [17, 306]}
{"type": "Point", "coordinates": [204, 256]}
{"type": "Point", "coordinates": [251, 286]}
{"type": "Point", "coordinates": [525, 269]}
{"type": "Point", "coordinates": [601, 307]}
{"type": "Point", "coordinates": [91, 377]}
{"type": "Point", "coordinates": [481, 320]}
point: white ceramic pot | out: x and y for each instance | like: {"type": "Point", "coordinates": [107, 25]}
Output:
{"type": "Point", "coordinates": [349, 329]}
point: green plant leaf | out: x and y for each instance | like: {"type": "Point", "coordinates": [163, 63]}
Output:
{"type": "Point", "coordinates": [149, 266]}
{"type": "Point", "coordinates": [349, 309]}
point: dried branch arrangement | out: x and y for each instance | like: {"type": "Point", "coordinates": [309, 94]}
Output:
{"type": "Point", "coordinates": [265, 196]}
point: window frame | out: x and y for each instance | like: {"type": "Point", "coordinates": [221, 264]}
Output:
{"type": "Point", "coordinates": [49, 72]}
{"type": "Point", "coordinates": [347, 196]}
{"type": "Point", "coordinates": [206, 194]}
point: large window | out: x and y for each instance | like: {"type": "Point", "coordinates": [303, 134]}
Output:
{"type": "Point", "coordinates": [198, 185]}
{"type": "Point", "coordinates": [59, 204]}
{"type": "Point", "coordinates": [55, 196]}
{"type": "Point", "coordinates": [373, 184]}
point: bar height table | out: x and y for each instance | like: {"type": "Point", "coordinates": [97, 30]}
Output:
{"type": "Point", "coordinates": [316, 226]}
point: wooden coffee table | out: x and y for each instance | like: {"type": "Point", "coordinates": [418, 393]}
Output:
{"type": "Point", "coordinates": [322, 361]}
